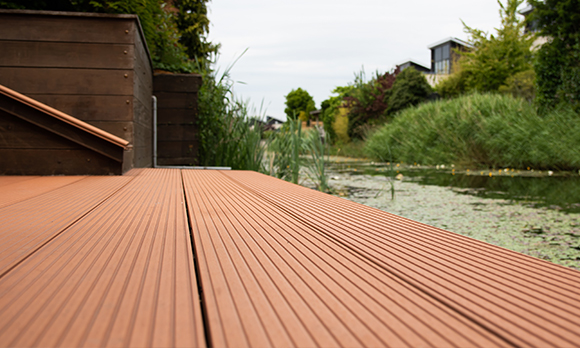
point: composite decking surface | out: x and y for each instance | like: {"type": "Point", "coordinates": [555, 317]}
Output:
{"type": "Point", "coordinates": [193, 258]}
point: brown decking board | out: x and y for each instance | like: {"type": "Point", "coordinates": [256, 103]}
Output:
{"type": "Point", "coordinates": [122, 275]}
{"type": "Point", "coordinates": [109, 261]}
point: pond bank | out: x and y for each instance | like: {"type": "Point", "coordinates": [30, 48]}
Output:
{"type": "Point", "coordinates": [546, 232]}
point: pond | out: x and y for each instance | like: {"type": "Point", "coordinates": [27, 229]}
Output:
{"type": "Point", "coordinates": [532, 212]}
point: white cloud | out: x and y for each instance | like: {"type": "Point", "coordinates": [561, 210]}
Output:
{"type": "Point", "coordinates": [319, 44]}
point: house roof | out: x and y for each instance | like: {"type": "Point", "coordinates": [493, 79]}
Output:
{"type": "Point", "coordinates": [181, 257]}
{"type": "Point", "coordinates": [409, 60]}
{"type": "Point", "coordinates": [526, 10]}
{"type": "Point", "coordinates": [449, 39]}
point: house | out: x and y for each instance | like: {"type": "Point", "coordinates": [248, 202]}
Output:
{"type": "Point", "coordinates": [412, 63]}
{"type": "Point", "coordinates": [444, 55]}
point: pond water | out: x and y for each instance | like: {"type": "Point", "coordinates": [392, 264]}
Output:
{"type": "Point", "coordinates": [533, 212]}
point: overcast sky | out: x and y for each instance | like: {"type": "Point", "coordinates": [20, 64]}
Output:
{"type": "Point", "coordinates": [319, 44]}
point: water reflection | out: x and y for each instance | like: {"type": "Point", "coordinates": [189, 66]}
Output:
{"type": "Point", "coordinates": [560, 191]}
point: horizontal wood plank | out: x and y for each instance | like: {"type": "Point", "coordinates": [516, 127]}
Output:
{"type": "Point", "coordinates": [185, 133]}
{"type": "Point", "coordinates": [56, 162]}
{"type": "Point", "coordinates": [66, 55]}
{"type": "Point", "coordinates": [175, 100]}
{"type": "Point", "coordinates": [68, 81]}
{"type": "Point", "coordinates": [184, 83]}
{"type": "Point", "coordinates": [176, 116]}
{"type": "Point", "coordinates": [175, 149]}
{"type": "Point", "coordinates": [90, 107]}
{"type": "Point", "coordinates": [66, 29]}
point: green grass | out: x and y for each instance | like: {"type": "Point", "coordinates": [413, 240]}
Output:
{"type": "Point", "coordinates": [482, 130]}
{"type": "Point", "coordinates": [354, 148]}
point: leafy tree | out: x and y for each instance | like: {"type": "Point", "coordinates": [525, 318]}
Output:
{"type": "Point", "coordinates": [368, 101]}
{"type": "Point", "coordinates": [410, 88]}
{"type": "Point", "coordinates": [521, 85]}
{"type": "Point", "coordinates": [558, 63]}
{"type": "Point", "coordinates": [330, 109]}
{"type": "Point", "coordinates": [299, 103]}
{"type": "Point", "coordinates": [494, 58]}
{"type": "Point", "coordinates": [193, 26]}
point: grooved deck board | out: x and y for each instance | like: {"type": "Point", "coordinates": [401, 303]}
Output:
{"type": "Point", "coordinates": [21, 190]}
{"type": "Point", "coordinates": [122, 276]}
{"type": "Point", "coordinates": [524, 300]}
{"type": "Point", "coordinates": [110, 261]}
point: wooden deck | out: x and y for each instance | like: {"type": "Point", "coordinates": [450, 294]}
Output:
{"type": "Point", "coordinates": [193, 258]}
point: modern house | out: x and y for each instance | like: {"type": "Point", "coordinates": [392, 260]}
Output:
{"type": "Point", "coordinates": [412, 63]}
{"type": "Point", "coordinates": [443, 57]}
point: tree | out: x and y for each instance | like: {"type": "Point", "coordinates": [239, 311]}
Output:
{"type": "Point", "coordinates": [410, 88]}
{"type": "Point", "coordinates": [492, 59]}
{"type": "Point", "coordinates": [299, 102]}
{"type": "Point", "coordinates": [193, 26]}
{"type": "Point", "coordinates": [558, 63]}
{"type": "Point", "coordinates": [368, 101]}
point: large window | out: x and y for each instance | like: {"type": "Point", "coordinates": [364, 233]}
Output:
{"type": "Point", "coordinates": [442, 61]}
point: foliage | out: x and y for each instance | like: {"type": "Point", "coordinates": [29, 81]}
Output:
{"type": "Point", "coordinates": [299, 101]}
{"type": "Point", "coordinates": [521, 85]}
{"type": "Point", "coordinates": [340, 125]}
{"type": "Point", "coordinates": [454, 85]}
{"type": "Point", "coordinates": [159, 26]}
{"type": "Point", "coordinates": [193, 25]}
{"type": "Point", "coordinates": [354, 148]}
{"type": "Point", "coordinates": [225, 133]}
{"type": "Point", "coordinates": [285, 151]}
{"type": "Point", "coordinates": [331, 110]}
{"type": "Point", "coordinates": [494, 58]}
{"type": "Point", "coordinates": [558, 63]}
{"type": "Point", "coordinates": [410, 88]}
{"type": "Point", "coordinates": [484, 130]}
{"type": "Point", "coordinates": [316, 165]}
{"type": "Point", "coordinates": [368, 101]}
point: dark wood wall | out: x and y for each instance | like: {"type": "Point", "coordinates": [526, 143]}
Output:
{"type": "Point", "coordinates": [27, 149]}
{"type": "Point", "coordinates": [177, 141]}
{"type": "Point", "coordinates": [94, 67]}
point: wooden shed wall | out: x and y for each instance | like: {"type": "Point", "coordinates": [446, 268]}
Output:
{"type": "Point", "coordinates": [177, 141]}
{"type": "Point", "coordinates": [91, 66]}
{"type": "Point", "coordinates": [26, 149]}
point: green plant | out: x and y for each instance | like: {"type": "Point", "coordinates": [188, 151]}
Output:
{"type": "Point", "coordinates": [521, 85]}
{"type": "Point", "coordinates": [228, 136]}
{"type": "Point", "coordinates": [314, 146]}
{"type": "Point", "coordinates": [493, 59]}
{"type": "Point", "coordinates": [558, 62]}
{"type": "Point", "coordinates": [410, 88]}
{"type": "Point", "coordinates": [285, 151]}
{"type": "Point", "coordinates": [193, 26]}
{"type": "Point", "coordinates": [483, 130]}
{"type": "Point", "coordinates": [299, 102]}
{"type": "Point", "coordinates": [367, 102]}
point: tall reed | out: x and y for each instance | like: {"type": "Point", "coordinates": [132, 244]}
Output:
{"type": "Point", "coordinates": [285, 151]}
{"type": "Point", "coordinates": [483, 130]}
{"type": "Point", "coordinates": [315, 167]}
{"type": "Point", "coordinates": [228, 136]}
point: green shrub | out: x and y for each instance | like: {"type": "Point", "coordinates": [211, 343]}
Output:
{"type": "Point", "coordinates": [410, 88]}
{"type": "Point", "coordinates": [485, 130]}
{"type": "Point", "coordinates": [225, 133]}
{"type": "Point", "coordinates": [521, 85]}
